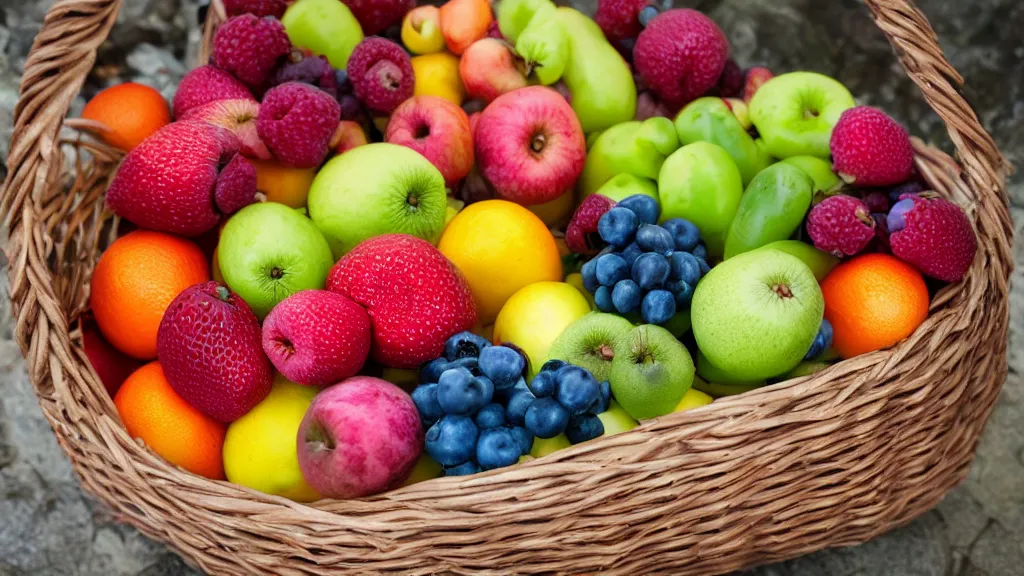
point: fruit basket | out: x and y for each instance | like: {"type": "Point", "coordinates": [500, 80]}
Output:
{"type": "Point", "coordinates": [828, 460]}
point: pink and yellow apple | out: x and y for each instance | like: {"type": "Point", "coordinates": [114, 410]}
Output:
{"type": "Point", "coordinates": [437, 129]}
{"type": "Point", "coordinates": [489, 69]}
{"type": "Point", "coordinates": [238, 116]}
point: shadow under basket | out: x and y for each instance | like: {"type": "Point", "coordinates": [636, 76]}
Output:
{"type": "Point", "coordinates": [833, 459]}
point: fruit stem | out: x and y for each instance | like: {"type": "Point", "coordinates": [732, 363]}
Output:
{"type": "Point", "coordinates": [319, 439]}
{"type": "Point", "coordinates": [605, 352]}
{"type": "Point", "coordinates": [223, 293]}
{"type": "Point", "coordinates": [412, 200]}
{"type": "Point", "coordinates": [537, 144]}
{"type": "Point", "coordinates": [782, 290]}
{"type": "Point", "coordinates": [276, 273]}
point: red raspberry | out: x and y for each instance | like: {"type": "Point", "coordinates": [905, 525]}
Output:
{"type": "Point", "coordinates": [870, 149]}
{"type": "Point", "coordinates": [381, 74]}
{"type": "Point", "coordinates": [619, 19]}
{"type": "Point", "coordinates": [297, 122]}
{"type": "Point", "coordinates": [933, 234]}
{"type": "Point", "coordinates": [841, 225]}
{"type": "Point", "coordinates": [732, 80]}
{"type": "Point", "coordinates": [250, 48]}
{"type": "Point", "coordinates": [581, 235]}
{"type": "Point", "coordinates": [259, 8]}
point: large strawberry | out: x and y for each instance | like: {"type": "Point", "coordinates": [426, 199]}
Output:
{"type": "Point", "coordinates": [934, 235]}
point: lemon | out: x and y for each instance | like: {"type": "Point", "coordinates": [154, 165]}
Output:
{"type": "Point", "coordinates": [260, 447]}
{"type": "Point", "coordinates": [438, 75]}
{"type": "Point", "coordinates": [536, 315]}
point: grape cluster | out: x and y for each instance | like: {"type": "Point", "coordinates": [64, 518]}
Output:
{"type": "Point", "coordinates": [646, 268]}
{"type": "Point", "coordinates": [561, 398]}
{"type": "Point", "coordinates": [822, 342]}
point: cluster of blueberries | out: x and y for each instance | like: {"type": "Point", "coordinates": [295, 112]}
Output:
{"type": "Point", "coordinates": [646, 268]}
{"type": "Point", "coordinates": [480, 414]}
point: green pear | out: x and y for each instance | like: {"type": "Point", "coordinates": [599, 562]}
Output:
{"type": "Point", "coordinates": [625, 185]}
{"type": "Point", "coordinates": [701, 183]}
{"type": "Point", "coordinates": [820, 262]}
{"type": "Point", "coordinates": [711, 120]}
{"type": "Point", "coordinates": [772, 209]}
{"type": "Point", "coordinates": [796, 112]}
{"type": "Point", "coordinates": [377, 189]}
{"type": "Point", "coordinates": [755, 316]}
{"type": "Point", "coordinates": [637, 148]}
{"type": "Point", "coordinates": [268, 251]}
{"type": "Point", "coordinates": [324, 27]}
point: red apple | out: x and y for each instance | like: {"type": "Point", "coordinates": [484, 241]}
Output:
{"type": "Point", "coordinates": [238, 116]}
{"type": "Point", "coordinates": [489, 69]}
{"type": "Point", "coordinates": [530, 145]}
{"type": "Point", "coordinates": [437, 129]}
{"type": "Point", "coordinates": [348, 136]}
{"type": "Point", "coordinates": [111, 365]}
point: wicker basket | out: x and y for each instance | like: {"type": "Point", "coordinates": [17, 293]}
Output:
{"type": "Point", "coordinates": [828, 460]}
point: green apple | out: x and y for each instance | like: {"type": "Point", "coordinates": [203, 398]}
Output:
{"type": "Point", "coordinates": [711, 120]}
{"type": "Point", "coordinates": [723, 390]}
{"type": "Point", "coordinates": [324, 27]}
{"type": "Point", "coordinates": [377, 189]}
{"type": "Point", "coordinates": [756, 315]}
{"type": "Point", "coordinates": [820, 262]}
{"type": "Point", "coordinates": [826, 181]}
{"type": "Point", "coordinates": [806, 369]}
{"type": "Point", "coordinates": [637, 148]}
{"type": "Point", "coordinates": [625, 185]}
{"type": "Point", "coordinates": [711, 373]}
{"type": "Point", "coordinates": [268, 251]}
{"type": "Point", "coordinates": [536, 315]}
{"type": "Point", "coordinates": [651, 372]}
{"type": "Point", "coordinates": [616, 420]}
{"type": "Point", "coordinates": [796, 112]}
{"type": "Point", "coordinates": [589, 343]}
{"type": "Point", "coordinates": [701, 183]}
{"type": "Point", "coordinates": [772, 209]}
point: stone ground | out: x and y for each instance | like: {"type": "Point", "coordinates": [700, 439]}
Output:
{"type": "Point", "coordinates": [48, 527]}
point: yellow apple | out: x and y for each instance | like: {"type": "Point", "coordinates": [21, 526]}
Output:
{"type": "Point", "coordinates": [537, 314]}
{"type": "Point", "coordinates": [693, 399]}
{"type": "Point", "coordinates": [542, 447]}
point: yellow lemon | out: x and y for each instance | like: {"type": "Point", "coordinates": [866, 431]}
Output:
{"type": "Point", "coordinates": [576, 281]}
{"type": "Point", "coordinates": [500, 247]}
{"type": "Point", "coordinates": [426, 468]}
{"type": "Point", "coordinates": [693, 399]}
{"type": "Point", "coordinates": [421, 30]}
{"type": "Point", "coordinates": [259, 449]}
{"type": "Point", "coordinates": [438, 75]}
{"type": "Point", "coordinates": [537, 314]}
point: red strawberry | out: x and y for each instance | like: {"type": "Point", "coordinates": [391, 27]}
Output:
{"type": "Point", "coordinates": [841, 225]}
{"type": "Point", "coordinates": [933, 234]}
{"type": "Point", "coordinates": [376, 15]}
{"type": "Point", "coordinates": [209, 345]}
{"type": "Point", "coordinates": [681, 55]}
{"type": "Point", "coordinates": [207, 84]}
{"type": "Point", "coordinates": [172, 182]}
{"type": "Point", "coordinates": [581, 235]}
{"type": "Point", "coordinates": [870, 149]}
{"type": "Point", "coordinates": [416, 298]}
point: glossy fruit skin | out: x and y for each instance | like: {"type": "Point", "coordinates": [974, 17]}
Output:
{"type": "Point", "coordinates": [826, 182]}
{"type": "Point", "coordinates": [710, 120]}
{"type": "Point", "coordinates": [618, 226]}
{"type": "Point", "coordinates": [111, 365]}
{"type": "Point", "coordinates": [151, 410]}
{"type": "Point", "coordinates": [448, 143]}
{"type": "Point", "coordinates": [681, 54]}
{"type": "Point", "coordinates": [635, 148]}
{"type": "Point", "coordinates": [873, 301]}
{"type": "Point", "coordinates": [282, 184]}
{"type": "Point", "coordinates": [779, 111]}
{"type": "Point", "coordinates": [452, 441]}
{"type": "Point", "coordinates": [132, 112]}
{"type": "Point", "coordinates": [820, 263]}
{"type": "Point", "coordinates": [536, 315]}
{"type": "Point", "coordinates": [207, 84]}
{"type": "Point", "coordinates": [325, 27]}
{"type": "Point", "coordinates": [438, 75]}
{"type": "Point", "coordinates": [772, 209]}
{"type": "Point", "coordinates": [134, 282]}
{"type": "Point", "coordinates": [489, 68]}
{"type": "Point", "coordinates": [870, 149]}
{"type": "Point", "coordinates": [421, 30]}
{"type": "Point", "coordinates": [464, 22]}
{"type": "Point", "coordinates": [651, 372]}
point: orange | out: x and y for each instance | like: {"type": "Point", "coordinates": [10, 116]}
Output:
{"type": "Point", "coordinates": [873, 302]}
{"type": "Point", "coordinates": [131, 111]}
{"type": "Point", "coordinates": [500, 247]}
{"type": "Point", "coordinates": [135, 281]}
{"type": "Point", "coordinates": [153, 411]}
{"type": "Point", "coordinates": [284, 185]}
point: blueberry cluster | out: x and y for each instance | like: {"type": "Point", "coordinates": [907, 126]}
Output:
{"type": "Point", "coordinates": [561, 398]}
{"type": "Point", "coordinates": [822, 342]}
{"type": "Point", "coordinates": [646, 268]}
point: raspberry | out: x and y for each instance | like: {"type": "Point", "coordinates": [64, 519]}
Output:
{"type": "Point", "coordinates": [870, 149]}
{"type": "Point", "coordinates": [841, 225]}
{"type": "Point", "coordinates": [312, 70]}
{"type": "Point", "coordinates": [381, 74]}
{"type": "Point", "coordinates": [204, 85]}
{"type": "Point", "coordinates": [732, 80]}
{"type": "Point", "coordinates": [259, 8]}
{"type": "Point", "coordinates": [619, 19]}
{"type": "Point", "coordinates": [933, 234]}
{"type": "Point", "coordinates": [250, 48]}
{"type": "Point", "coordinates": [581, 235]}
{"type": "Point", "coordinates": [297, 122]}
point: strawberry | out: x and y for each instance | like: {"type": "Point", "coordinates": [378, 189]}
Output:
{"type": "Point", "coordinates": [870, 149]}
{"type": "Point", "coordinates": [933, 234]}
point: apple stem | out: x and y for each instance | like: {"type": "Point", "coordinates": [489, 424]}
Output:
{"type": "Point", "coordinates": [276, 273]}
{"type": "Point", "coordinates": [319, 439]}
{"type": "Point", "coordinates": [538, 142]}
{"type": "Point", "coordinates": [783, 290]}
{"type": "Point", "coordinates": [605, 352]}
{"type": "Point", "coordinates": [412, 200]}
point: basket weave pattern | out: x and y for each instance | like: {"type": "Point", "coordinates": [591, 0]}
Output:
{"type": "Point", "coordinates": [828, 460]}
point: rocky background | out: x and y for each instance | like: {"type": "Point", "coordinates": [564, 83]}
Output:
{"type": "Point", "coordinates": [48, 527]}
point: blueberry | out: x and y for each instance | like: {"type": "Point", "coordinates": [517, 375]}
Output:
{"type": "Point", "coordinates": [544, 384]}
{"type": "Point", "coordinates": [584, 427]}
{"type": "Point", "coordinates": [684, 266]}
{"type": "Point", "coordinates": [589, 272]}
{"type": "Point", "coordinates": [822, 341]}
{"type": "Point", "coordinates": [650, 271]}
{"type": "Point", "coordinates": [577, 389]}
{"type": "Point", "coordinates": [502, 365]}
{"type": "Point", "coordinates": [704, 268]}
{"type": "Point", "coordinates": [631, 253]}
{"type": "Point", "coordinates": [618, 226]}
{"type": "Point", "coordinates": [464, 344]}
{"type": "Point", "coordinates": [611, 268]}
{"type": "Point", "coordinates": [524, 438]}
{"type": "Point", "coordinates": [546, 418]}
{"type": "Point", "coordinates": [646, 208]}
{"type": "Point", "coordinates": [700, 252]}
{"type": "Point", "coordinates": [826, 332]}
{"type": "Point", "coordinates": [626, 296]}
{"type": "Point", "coordinates": [682, 291]}
{"type": "Point", "coordinates": [603, 299]}
{"type": "Point", "coordinates": [659, 306]}
{"type": "Point", "coordinates": [552, 365]}
{"type": "Point", "coordinates": [604, 399]}
{"type": "Point", "coordinates": [654, 238]}
{"type": "Point", "coordinates": [459, 392]}
{"type": "Point", "coordinates": [425, 398]}
{"type": "Point", "coordinates": [464, 469]}
{"type": "Point", "coordinates": [501, 396]}
{"type": "Point", "coordinates": [470, 363]}
{"type": "Point", "coordinates": [518, 403]}
{"type": "Point", "coordinates": [432, 370]}
{"type": "Point", "coordinates": [452, 440]}
{"type": "Point", "coordinates": [497, 448]}
{"type": "Point", "coordinates": [897, 219]}
{"type": "Point", "coordinates": [685, 234]}
{"type": "Point", "coordinates": [490, 416]}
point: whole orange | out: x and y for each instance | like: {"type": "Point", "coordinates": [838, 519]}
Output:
{"type": "Point", "coordinates": [131, 111]}
{"type": "Point", "coordinates": [153, 411]}
{"type": "Point", "coordinates": [134, 282]}
{"type": "Point", "coordinates": [873, 302]}
{"type": "Point", "coordinates": [500, 247]}
{"type": "Point", "coordinates": [284, 185]}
